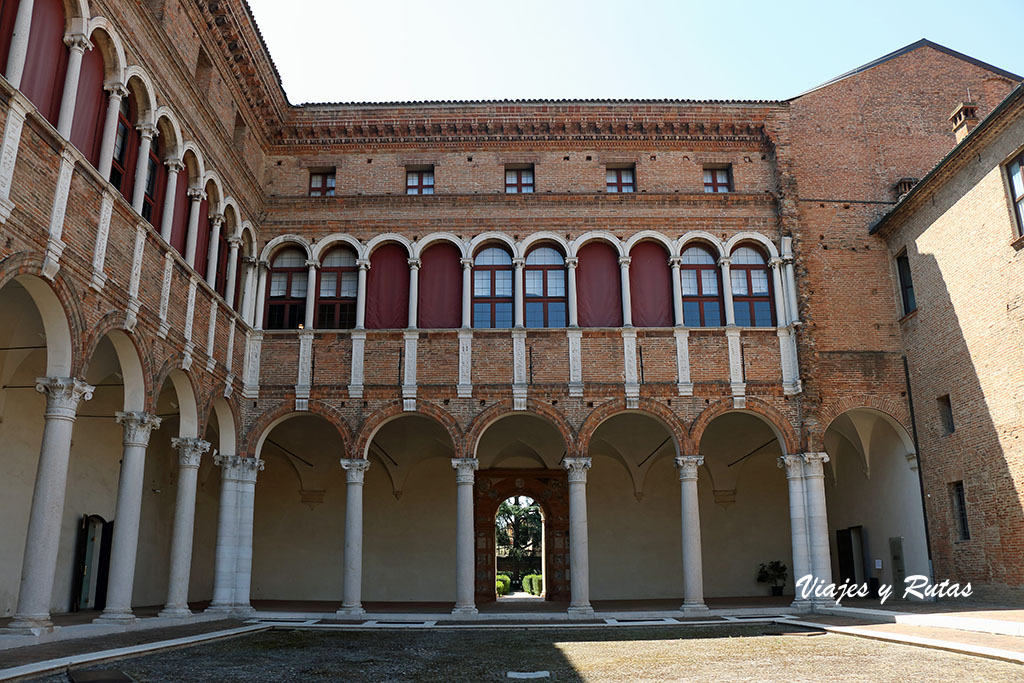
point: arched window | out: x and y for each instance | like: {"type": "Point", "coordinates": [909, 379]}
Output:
{"type": "Point", "coordinates": [203, 237]}
{"type": "Point", "coordinates": [220, 280]}
{"type": "Point", "coordinates": [286, 299]}
{"type": "Point", "coordinates": [387, 288]}
{"type": "Point", "coordinates": [337, 288]}
{"type": "Point", "coordinates": [545, 288]}
{"type": "Point", "coordinates": [701, 288]}
{"type": "Point", "coordinates": [156, 186]}
{"type": "Point", "coordinates": [650, 285]}
{"type": "Point", "coordinates": [182, 206]}
{"type": "Point", "coordinates": [492, 288]}
{"type": "Point", "coordinates": [599, 285]}
{"type": "Point", "coordinates": [126, 147]}
{"type": "Point", "coordinates": [751, 288]}
{"type": "Point", "coordinates": [90, 105]}
{"type": "Point", "coordinates": [440, 290]}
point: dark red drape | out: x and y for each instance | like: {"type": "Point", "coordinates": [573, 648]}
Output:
{"type": "Point", "coordinates": [90, 107]}
{"type": "Point", "coordinates": [47, 60]}
{"type": "Point", "coordinates": [203, 238]}
{"type": "Point", "coordinates": [182, 206]}
{"type": "Point", "coordinates": [650, 285]}
{"type": "Point", "coordinates": [159, 171]}
{"type": "Point", "coordinates": [387, 288]}
{"type": "Point", "coordinates": [440, 296]}
{"type": "Point", "coordinates": [598, 286]}
{"type": "Point", "coordinates": [8, 13]}
{"type": "Point", "coordinates": [221, 280]}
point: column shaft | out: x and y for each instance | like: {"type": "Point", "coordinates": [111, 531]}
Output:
{"type": "Point", "coordinates": [18, 51]}
{"type": "Point", "coordinates": [627, 301]}
{"type": "Point", "coordinates": [817, 517]}
{"type": "Point", "coordinates": [782, 319]}
{"type": "Point", "coordinates": [189, 453]}
{"type": "Point", "coordinates": [77, 45]}
{"type": "Point", "coordinates": [414, 292]}
{"type": "Point", "coordinates": [117, 92]}
{"type": "Point", "coordinates": [793, 465]}
{"type": "Point", "coordinates": [677, 291]}
{"type": "Point", "coordinates": [467, 292]}
{"type": "Point", "coordinates": [364, 265]}
{"type": "Point", "coordinates": [307, 320]}
{"type": "Point", "coordinates": [227, 539]}
{"type": "Point", "coordinates": [167, 219]}
{"type": "Point", "coordinates": [355, 469]}
{"type": "Point", "coordinates": [261, 293]}
{"type": "Point", "coordinates": [196, 197]}
{"type": "Point", "coordinates": [693, 563]}
{"type": "Point", "coordinates": [213, 250]}
{"type": "Point", "coordinates": [579, 549]}
{"type": "Point", "coordinates": [518, 293]}
{"type": "Point", "coordinates": [464, 546]}
{"type": "Point", "coordinates": [570, 271]}
{"type": "Point", "coordinates": [730, 312]}
{"type": "Point", "coordinates": [229, 284]}
{"type": "Point", "coordinates": [146, 133]}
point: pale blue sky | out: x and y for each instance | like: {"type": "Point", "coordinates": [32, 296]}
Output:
{"type": "Point", "coordinates": [390, 50]}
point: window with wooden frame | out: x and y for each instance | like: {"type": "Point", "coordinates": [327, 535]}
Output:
{"type": "Point", "coordinates": [519, 179]}
{"type": "Point", "coordinates": [492, 288]}
{"type": "Point", "coordinates": [337, 289]}
{"type": "Point", "coordinates": [321, 183]}
{"type": "Point", "coordinates": [620, 179]}
{"type": "Point", "coordinates": [751, 288]}
{"type": "Point", "coordinates": [906, 283]}
{"type": "Point", "coordinates": [220, 279]}
{"type": "Point", "coordinates": [286, 295]}
{"type": "Point", "coordinates": [1015, 170]}
{"type": "Point", "coordinates": [701, 288]}
{"type": "Point", "coordinates": [419, 181]}
{"type": "Point", "coordinates": [156, 185]}
{"type": "Point", "coordinates": [545, 288]}
{"type": "Point", "coordinates": [125, 147]}
{"type": "Point", "coordinates": [717, 179]}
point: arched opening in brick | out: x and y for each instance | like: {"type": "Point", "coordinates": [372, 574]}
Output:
{"type": "Point", "coordinates": [519, 549]}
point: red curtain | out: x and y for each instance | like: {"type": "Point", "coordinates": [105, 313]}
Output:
{"type": "Point", "coordinates": [598, 288]}
{"type": "Point", "coordinates": [159, 170]}
{"type": "Point", "coordinates": [8, 13]}
{"type": "Point", "coordinates": [47, 60]}
{"type": "Point", "coordinates": [440, 296]}
{"type": "Point", "coordinates": [182, 207]}
{"type": "Point", "coordinates": [203, 238]}
{"type": "Point", "coordinates": [387, 288]}
{"type": "Point", "coordinates": [650, 285]}
{"type": "Point", "coordinates": [90, 107]}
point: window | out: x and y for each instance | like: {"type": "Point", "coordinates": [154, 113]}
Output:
{"type": "Point", "coordinates": [545, 288]}
{"type": "Point", "coordinates": [1016, 172]}
{"type": "Point", "coordinates": [906, 283]}
{"type": "Point", "coordinates": [751, 289]}
{"type": "Point", "coordinates": [946, 414]}
{"type": "Point", "coordinates": [122, 141]}
{"type": "Point", "coordinates": [519, 179]}
{"type": "Point", "coordinates": [419, 182]}
{"type": "Point", "coordinates": [718, 179]}
{"type": "Point", "coordinates": [337, 290]}
{"type": "Point", "coordinates": [959, 500]}
{"type": "Point", "coordinates": [701, 289]}
{"type": "Point", "coordinates": [620, 180]}
{"type": "Point", "coordinates": [156, 185]}
{"type": "Point", "coordinates": [286, 300]}
{"type": "Point", "coordinates": [321, 184]}
{"type": "Point", "coordinates": [492, 288]}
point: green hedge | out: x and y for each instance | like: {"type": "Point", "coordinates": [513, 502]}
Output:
{"type": "Point", "coordinates": [533, 584]}
{"type": "Point", "coordinates": [502, 584]}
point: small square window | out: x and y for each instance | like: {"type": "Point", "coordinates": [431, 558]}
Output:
{"type": "Point", "coordinates": [946, 414]}
{"type": "Point", "coordinates": [519, 179]}
{"type": "Point", "coordinates": [420, 181]}
{"type": "Point", "coordinates": [717, 179]}
{"type": "Point", "coordinates": [959, 500]}
{"type": "Point", "coordinates": [321, 183]}
{"type": "Point", "coordinates": [906, 283]}
{"type": "Point", "coordinates": [620, 180]}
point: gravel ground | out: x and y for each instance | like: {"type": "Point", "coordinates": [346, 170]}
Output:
{"type": "Point", "coordinates": [671, 653]}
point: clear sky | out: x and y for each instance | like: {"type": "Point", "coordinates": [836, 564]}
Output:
{"type": "Point", "coordinates": [393, 50]}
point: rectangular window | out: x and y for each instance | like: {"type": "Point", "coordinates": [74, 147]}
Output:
{"type": "Point", "coordinates": [906, 283]}
{"type": "Point", "coordinates": [519, 179]}
{"type": "Point", "coordinates": [946, 414]}
{"type": "Point", "coordinates": [1016, 172]}
{"type": "Point", "coordinates": [420, 182]}
{"type": "Point", "coordinates": [959, 500]}
{"type": "Point", "coordinates": [620, 180]}
{"type": "Point", "coordinates": [321, 184]}
{"type": "Point", "coordinates": [718, 179]}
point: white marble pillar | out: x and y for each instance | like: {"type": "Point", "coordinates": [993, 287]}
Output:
{"type": "Point", "coordinates": [794, 310]}
{"type": "Point", "coordinates": [677, 290]}
{"type": "Point", "coordinates": [115, 93]}
{"type": "Point", "coordinates": [77, 45]}
{"type": "Point", "coordinates": [147, 131]}
{"type": "Point", "coordinates": [190, 452]}
{"type": "Point", "coordinates": [579, 548]}
{"type": "Point", "coordinates": [781, 319]}
{"type": "Point", "coordinates": [311, 292]}
{"type": "Point", "coordinates": [465, 557]}
{"type": "Point", "coordinates": [18, 51]}
{"type": "Point", "coordinates": [249, 468]}
{"type": "Point", "coordinates": [817, 517]}
{"type": "Point", "coordinates": [195, 196]}
{"type": "Point", "coordinates": [467, 292]}
{"type": "Point", "coordinates": [627, 300]}
{"type": "Point", "coordinates": [414, 292]}
{"type": "Point", "coordinates": [174, 167]}
{"type": "Point", "coordinates": [730, 312]}
{"type": "Point", "coordinates": [234, 242]}
{"type": "Point", "coordinates": [693, 562]}
{"type": "Point", "coordinates": [213, 250]}
{"type": "Point", "coordinates": [570, 271]}
{"type": "Point", "coordinates": [519, 291]}
{"type": "Point", "coordinates": [233, 555]}
{"type": "Point", "coordinates": [42, 539]}
{"type": "Point", "coordinates": [355, 470]}
{"type": "Point", "coordinates": [248, 287]}
{"type": "Point", "coordinates": [364, 265]}
{"type": "Point", "coordinates": [794, 466]}
{"type": "Point", "coordinates": [261, 294]}
{"type": "Point", "coordinates": [125, 544]}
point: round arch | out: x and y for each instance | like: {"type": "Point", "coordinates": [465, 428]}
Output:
{"type": "Point", "coordinates": [749, 236]}
{"type": "Point", "coordinates": [385, 238]}
{"type": "Point", "coordinates": [226, 425]}
{"type": "Point", "coordinates": [433, 238]}
{"type": "Point", "coordinates": [395, 411]}
{"type": "Point", "coordinates": [653, 409]}
{"type": "Point", "coordinates": [776, 421]}
{"type": "Point", "coordinates": [265, 423]}
{"type": "Point", "coordinates": [131, 359]}
{"type": "Point", "coordinates": [539, 238]}
{"type": "Point", "coordinates": [170, 130]}
{"type": "Point", "coordinates": [281, 241]}
{"type": "Point", "coordinates": [482, 239]}
{"type": "Point", "coordinates": [145, 97]}
{"type": "Point", "coordinates": [702, 238]}
{"type": "Point", "coordinates": [193, 160]}
{"type": "Point", "coordinates": [651, 236]}
{"type": "Point", "coordinates": [596, 236]}
{"type": "Point", "coordinates": [503, 409]}
{"type": "Point", "coordinates": [59, 345]}
{"type": "Point", "coordinates": [216, 198]}
{"type": "Point", "coordinates": [323, 245]}
{"type": "Point", "coordinates": [106, 39]}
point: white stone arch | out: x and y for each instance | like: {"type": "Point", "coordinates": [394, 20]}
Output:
{"type": "Point", "coordinates": [651, 236]}
{"type": "Point", "coordinates": [421, 246]}
{"type": "Point", "coordinates": [539, 237]}
{"type": "Point", "coordinates": [705, 238]}
{"type": "Point", "coordinates": [131, 369]}
{"type": "Point", "coordinates": [596, 236]}
{"type": "Point", "coordinates": [188, 410]}
{"type": "Point", "coordinates": [55, 325]}
{"type": "Point", "coordinates": [215, 198]}
{"type": "Point", "coordinates": [232, 216]}
{"type": "Point", "coordinates": [225, 427]}
{"type": "Point", "coordinates": [750, 236]}
{"type": "Point", "coordinates": [482, 239]}
{"type": "Point", "coordinates": [109, 43]}
{"type": "Point", "coordinates": [638, 472]}
{"type": "Point", "coordinates": [246, 229]}
{"type": "Point", "coordinates": [281, 241]}
{"type": "Point", "coordinates": [76, 15]}
{"type": "Point", "coordinates": [170, 132]}
{"type": "Point", "coordinates": [145, 96]}
{"type": "Point", "coordinates": [384, 239]}
{"type": "Point", "coordinates": [192, 157]}
{"type": "Point", "coordinates": [324, 245]}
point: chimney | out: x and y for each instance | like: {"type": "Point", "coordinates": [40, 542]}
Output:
{"type": "Point", "coordinates": [964, 118]}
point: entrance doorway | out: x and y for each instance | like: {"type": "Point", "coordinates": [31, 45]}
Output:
{"type": "Point", "coordinates": [519, 549]}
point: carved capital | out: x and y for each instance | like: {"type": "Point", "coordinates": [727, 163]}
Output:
{"type": "Point", "coordinates": [355, 469]}
{"type": "Point", "coordinates": [724, 262]}
{"type": "Point", "coordinates": [571, 262]}
{"type": "Point", "coordinates": [775, 263]}
{"type": "Point", "coordinates": [147, 130]}
{"type": "Point", "coordinates": [467, 263]}
{"type": "Point", "coordinates": [415, 263]}
{"type": "Point", "coordinates": [675, 262]}
{"type": "Point", "coordinates": [174, 165]}
{"type": "Point", "coordinates": [312, 263]}
{"type": "Point", "coordinates": [577, 468]}
{"type": "Point", "coordinates": [793, 464]}
{"type": "Point", "coordinates": [234, 241]}
{"type": "Point", "coordinates": [364, 264]}
{"type": "Point", "coordinates": [238, 468]}
{"type": "Point", "coordinates": [518, 262]}
{"type": "Point", "coordinates": [63, 395]}
{"type": "Point", "coordinates": [687, 465]}
{"type": "Point", "coordinates": [464, 468]}
{"type": "Point", "coordinates": [116, 91]}
{"type": "Point", "coordinates": [814, 464]}
{"type": "Point", "coordinates": [196, 194]}
{"type": "Point", "coordinates": [217, 220]}
{"type": "Point", "coordinates": [624, 261]}
{"type": "Point", "coordinates": [190, 451]}
{"type": "Point", "coordinates": [137, 427]}
{"type": "Point", "coordinates": [77, 41]}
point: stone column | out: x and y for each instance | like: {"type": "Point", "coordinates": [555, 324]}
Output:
{"type": "Point", "coordinates": [190, 452]}
{"type": "Point", "coordinates": [414, 292]}
{"type": "Point", "coordinates": [467, 292]}
{"type": "Point", "coordinates": [730, 313]}
{"type": "Point", "coordinates": [125, 544]}
{"type": "Point", "coordinates": [579, 549]}
{"type": "Point", "coordinates": [248, 285]}
{"type": "Point", "coordinates": [351, 605]}
{"type": "Point", "coordinates": [307, 320]}
{"type": "Point", "coordinates": [465, 557]}
{"type": "Point", "coordinates": [19, 43]}
{"type": "Point", "coordinates": [794, 466]}
{"type": "Point", "coordinates": [627, 305]}
{"type": "Point", "coordinates": [677, 290]}
{"type": "Point", "coordinates": [77, 45]}
{"type": "Point", "coordinates": [42, 540]}
{"type": "Point", "coordinates": [781, 318]}
{"type": "Point", "coordinates": [518, 292]}
{"type": "Point", "coordinates": [817, 517]}
{"type": "Point", "coordinates": [234, 243]}
{"type": "Point", "coordinates": [174, 167]}
{"type": "Point", "coordinates": [116, 92]}
{"type": "Point", "coordinates": [248, 468]}
{"type": "Point", "coordinates": [261, 293]}
{"type": "Point", "coordinates": [693, 563]}
{"type": "Point", "coordinates": [570, 272]}
{"type": "Point", "coordinates": [233, 555]}
{"type": "Point", "coordinates": [147, 131]}
{"type": "Point", "coordinates": [213, 249]}
{"type": "Point", "coordinates": [794, 310]}
{"type": "Point", "coordinates": [364, 265]}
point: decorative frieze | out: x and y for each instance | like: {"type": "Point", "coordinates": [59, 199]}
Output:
{"type": "Point", "coordinates": [99, 253]}
{"type": "Point", "coordinates": [465, 387]}
{"type": "Point", "coordinates": [684, 385]}
{"type": "Point", "coordinates": [132, 313]}
{"type": "Point", "coordinates": [575, 362]}
{"type": "Point", "coordinates": [409, 371]}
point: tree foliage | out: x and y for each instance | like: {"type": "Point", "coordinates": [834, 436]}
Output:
{"type": "Point", "coordinates": [519, 528]}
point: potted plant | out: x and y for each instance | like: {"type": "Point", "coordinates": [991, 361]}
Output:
{"type": "Point", "coordinates": [774, 573]}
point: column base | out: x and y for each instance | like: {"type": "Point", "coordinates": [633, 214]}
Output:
{"type": "Point", "coordinates": [465, 611]}
{"type": "Point", "coordinates": [694, 609]}
{"type": "Point", "coordinates": [121, 618]}
{"type": "Point", "coordinates": [802, 605]}
{"type": "Point", "coordinates": [175, 613]}
{"type": "Point", "coordinates": [23, 625]}
{"type": "Point", "coordinates": [222, 608]}
{"type": "Point", "coordinates": [580, 612]}
{"type": "Point", "coordinates": [243, 611]}
{"type": "Point", "coordinates": [350, 611]}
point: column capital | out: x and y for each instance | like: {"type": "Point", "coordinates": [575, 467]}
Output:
{"type": "Point", "coordinates": [147, 130]}
{"type": "Point", "coordinates": [724, 262]}
{"type": "Point", "coordinates": [687, 465]}
{"type": "Point", "coordinates": [63, 395]}
{"type": "Point", "coordinates": [263, 264]}
{"type": "Point", "coordinates": [675, 261]}
{"type": "Point", "coordinates": [238, 468]}
{"type": "Point", "coordinates": [234, 241]}
{"type": "Point", "coordinates": [354, 468]}
{"type": "Point", "coordinates": [77, 41]}
{"type": "Point", "coordinates": [117, 90]}
{"type": "Point", "coordinates": [814, 464]}
{"type": "Point", "coordinates": [174, 165]}
{"type": "Point", "coordinates": [464, 468]}
{"type": "Point", "coordinates": [577, 468]}
{"type": "Point", "coordinates": [624, 261]}
{"type": "Point", "coordinates": [415, 263]}
{"type": "Point", "coordinates": [467, 263]}
{"type": "Point", "coordinates": [793, 464]}
{"type": "Point", "coordinates": [190, 451]}
{"type": "Point", "coordinates": [217, 219]}
{"type": "Point", "coordinates": [196, 194]}
{"type": "Point", "coordinates": [775, 263]}
{"type": "Point", "coordinates": [137, 426]}
{"type": "Point", "coordinates": [312, 263]}
{"type": "Point", "coordinates": [571, 261]}
{"type": "Point", "coordinates": [363, 263]}
{"type": "Point", "coordinates": [518, 262]}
